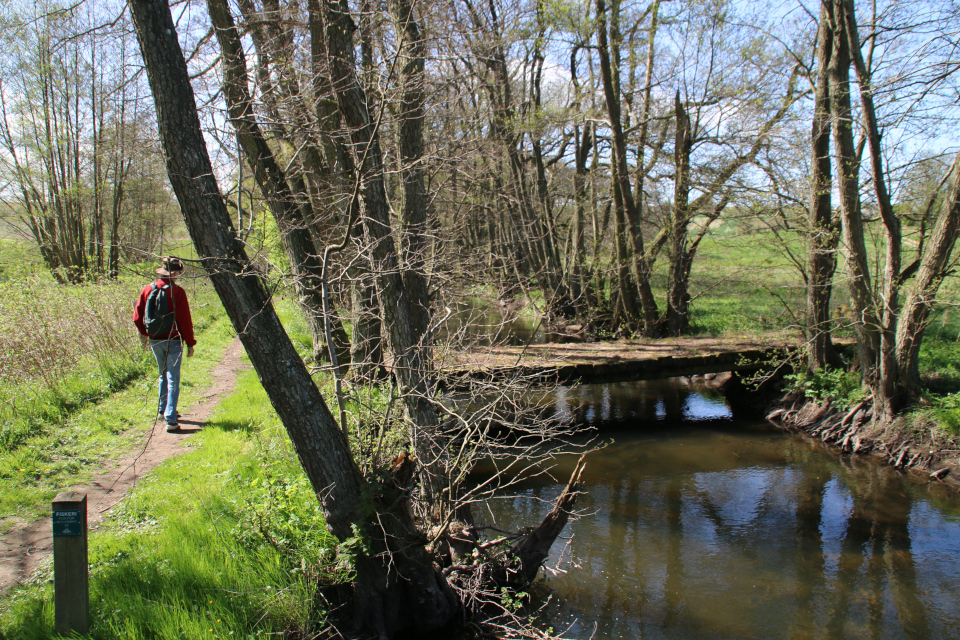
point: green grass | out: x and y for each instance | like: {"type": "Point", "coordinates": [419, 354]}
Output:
{"type": "Point", "coordinates": [18, 259]}
{"type": "Point", "coordinates": [60, 431]}
{"type": "Point", "coordinates": [226, 541]}
{"type": "Point", "coordinates": [940, 374]}
{"type": "Point", "coordinates": [741, 283]}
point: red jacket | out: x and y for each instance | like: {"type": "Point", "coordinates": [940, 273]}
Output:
{"type": "Point", "coordinates": [182, 327]}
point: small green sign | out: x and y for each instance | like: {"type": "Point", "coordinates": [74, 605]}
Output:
{"type": "Point", "coordinates": [67, 523]}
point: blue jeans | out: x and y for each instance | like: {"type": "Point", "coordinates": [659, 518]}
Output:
{"type": "Point", "coordinates": [169, 355]}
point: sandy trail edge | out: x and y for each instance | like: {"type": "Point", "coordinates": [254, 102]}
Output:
{"type": "Point", "coordinates": [24, 548]}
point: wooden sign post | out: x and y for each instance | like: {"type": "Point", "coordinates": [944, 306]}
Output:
{"type": "Point", "coordinates": [71, 590]}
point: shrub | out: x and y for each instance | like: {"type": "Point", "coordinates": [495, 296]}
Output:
{"type": "Point", "coordinates": [47, 330]}
{"type": "Point", "coordinates": [945, 411]}
{"type": "Point", "coordinates": [839, 387]}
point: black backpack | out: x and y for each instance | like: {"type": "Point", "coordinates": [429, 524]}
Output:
{"type": "Point", "coordinates": [158, 315]}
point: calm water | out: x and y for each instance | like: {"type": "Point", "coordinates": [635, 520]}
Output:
{"type": "Point", "coordinates": [699, 524]}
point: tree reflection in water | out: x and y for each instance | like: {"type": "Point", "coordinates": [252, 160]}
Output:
{"type": "Point", "coordinates": [723, 528]}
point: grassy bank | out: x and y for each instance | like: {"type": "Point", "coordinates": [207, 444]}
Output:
{"type": "Point", "coordinates": [226, 541]}
{"type": "Point", "coordinates": [77, 389]}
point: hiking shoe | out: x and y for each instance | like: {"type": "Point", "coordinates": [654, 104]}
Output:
{"type": "Point", "coordinates": [173, 428]}
{"type": "Point", "coordinates": [161, 416]}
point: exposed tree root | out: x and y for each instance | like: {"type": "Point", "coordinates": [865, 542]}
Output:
{"type": "Point", "coordinates": [483, 581]}
{"type": "Point", "coordinates": [857, 431]}
{"type": "Point", "coordinates": [491, 573]}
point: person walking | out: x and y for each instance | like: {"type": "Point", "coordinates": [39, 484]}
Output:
{"type": "Point", "coordinates": [167, 347]}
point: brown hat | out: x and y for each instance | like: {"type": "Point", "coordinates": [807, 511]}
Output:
{"type": "Point", "coordinates": [171, 267]}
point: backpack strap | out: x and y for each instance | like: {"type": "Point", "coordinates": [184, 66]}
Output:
{"type": "Point", "coordinates": [173, 303]}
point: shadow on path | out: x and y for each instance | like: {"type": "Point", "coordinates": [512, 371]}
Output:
{"type": "Point", "coordinates": [24, 548]}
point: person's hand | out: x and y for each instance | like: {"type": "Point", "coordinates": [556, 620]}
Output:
{"type": "Point", "coordinates": [189, 352]}
{"type": "Point", "coordinates": [144, 341]}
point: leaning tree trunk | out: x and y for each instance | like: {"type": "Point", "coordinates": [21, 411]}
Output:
{"type": "Point", "coordinates": [397, 586]}
{"type": "Point", "coordinates": [384, 602]}
{"type": "Point", "coordinates": [291, 210]}
{"type": "Point", "coordinates": [932, 271]}
{"type": "Point", "coordinates": [318, 441]}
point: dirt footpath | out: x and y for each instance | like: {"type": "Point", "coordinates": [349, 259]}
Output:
{"type": "Point", "coordinates": [23, 549]}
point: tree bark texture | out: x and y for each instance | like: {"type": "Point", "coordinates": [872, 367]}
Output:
{"type": "Point", "coordinates": [678, 297]}
{"type": "Point", "coordinates": [625, 203]}
{"type": "Point", "coordinates": [412, 51]}
{"type": "Point", "coordinates": [823, 239]}
{"type": "Point", "coordinates": [932, 271]}
{"type": "Point", "coordinates": [317, 439]}
{"type": "Point", "coordinates": [412, 363]}
{"type": "Point", "coordinates": [383, 602]}
{"type": "Point", "coordinates": [889, 390]}
{"type": "Point", "coordinates": [866, 320]}
{"type": "Point", "coordinates": [366, 343]}
{"type": "Point", "coordinates": [290, 210]}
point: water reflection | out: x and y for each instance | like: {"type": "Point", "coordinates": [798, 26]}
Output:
{"type": "Point", "coordinates": [640, 404]}
{"type": "Point", "coordinates": [704, 526]}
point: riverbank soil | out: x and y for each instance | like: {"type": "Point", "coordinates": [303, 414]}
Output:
{"type": "Point", "coordinates": [25, 547]}
{"type": "Point", "coordinates": [926, 454]}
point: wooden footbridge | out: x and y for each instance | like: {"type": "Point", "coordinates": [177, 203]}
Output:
{"type": "Point", "coordinates": [617, 361]}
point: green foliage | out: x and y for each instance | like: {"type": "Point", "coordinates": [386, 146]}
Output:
{"type": "Point", "coordinates": [940, 355]}
{"type": "Point", "coordinates": [940, 374]}
{"type": "Point", "coordinates": [19, 260]}
{"type": "Point", "coordinates": [840, 387]}
{"type": "Point", "coordinates": [512, 601]}
{"type": "Point", "coordinates": [274, 494]}
{"type": "Point", "coordinates": [58, 425]}
{"type": "Point", "coordinates": [291, 315]}
{"type": "Point", "coordinates": [945, 411]}
{"type": "Point", "coordinates": [47, 330]}
{"type": "Point", "coordinates": [281, 510]}
{"type": "Point", "coordinates": [226, 541]}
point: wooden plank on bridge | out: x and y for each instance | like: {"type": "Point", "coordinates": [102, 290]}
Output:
{"type": "Point", "coordinates": [620, 360]}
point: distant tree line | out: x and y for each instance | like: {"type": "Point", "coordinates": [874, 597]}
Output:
{"type": "Point", "coordinates": [80, 167]}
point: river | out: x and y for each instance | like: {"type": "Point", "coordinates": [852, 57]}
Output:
{"type": "Point", "coordinates": [700, 524]}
